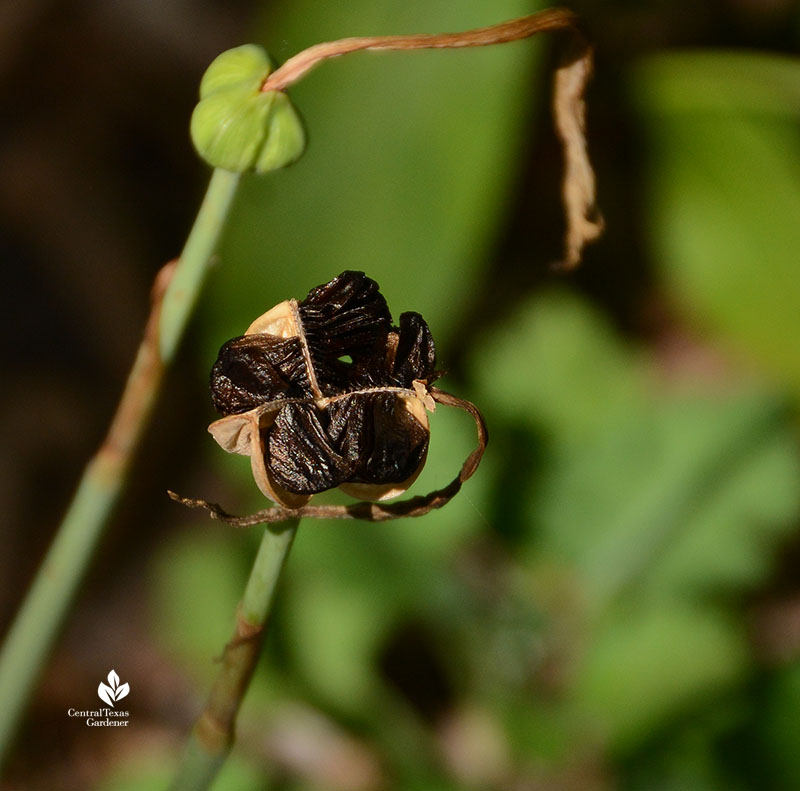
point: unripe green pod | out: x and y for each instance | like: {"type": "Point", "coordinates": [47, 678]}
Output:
{"type": "Point", "coordinates": [237, 126]}
{"type": "Point", "coordinates": [285, 139]}
{"type": "Point", "coordinates": [241, 67]}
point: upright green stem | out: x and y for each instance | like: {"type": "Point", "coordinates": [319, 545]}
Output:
{"type": "Point", "coordinates": [181, 296]}
{"type": "Point", "coordinates": [213, 733]}
{"type": "Point", "coordinates": [36, 626]}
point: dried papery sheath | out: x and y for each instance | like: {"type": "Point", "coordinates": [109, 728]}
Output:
{"type": "Point", "coordinates": [328, 393]}
{"type": "Point", "coordinates": [367, 511]}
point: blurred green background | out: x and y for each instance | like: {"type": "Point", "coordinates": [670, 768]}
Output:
{"type": "Point", "coordinates": [612, 602]}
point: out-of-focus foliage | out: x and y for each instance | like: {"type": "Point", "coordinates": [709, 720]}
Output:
{"type": "Point", "coordinates": [724, 174]}
{"type": "Point", "coordinates": [579, 617]}
{"type": "Point", "coordinates": [651, 504]}
{"type": "Point", "coordinates": [157, 771]}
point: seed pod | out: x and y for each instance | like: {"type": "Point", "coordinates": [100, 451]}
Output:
{"type": "Point", "coordinates": [237, 126]}
{"type": "Point", "coordinates": [326, 393]}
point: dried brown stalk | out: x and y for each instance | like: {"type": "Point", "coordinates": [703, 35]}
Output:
{"type": "Point", "coordinates": [584, 222]}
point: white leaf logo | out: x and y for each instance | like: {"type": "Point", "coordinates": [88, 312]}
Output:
{"type": "Point", "coordinates": [123, 690]}
{"type": "Point", "coordinates": [106, 693]}
{"type": "Point", "coordinates": [113, 691]}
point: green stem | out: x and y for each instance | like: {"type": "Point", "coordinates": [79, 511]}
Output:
{"type": "Point", "coordinates": [40, 617]}
{"type": "Point", "coordinates": [181, 296]}
{"type": "Point", "coordinates": [213, 733]}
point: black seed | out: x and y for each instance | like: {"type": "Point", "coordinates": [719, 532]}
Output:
{"type": "Point", "coordinates": [347, 316]}
{"type": "Point", "coordinates": [415, 357]}
{"type": "Point", "coordinates": [377, 435]}
{"type": "Point", "coordinates": [253, 369]}
{"type": "Point", "coordinates": [300, 456]}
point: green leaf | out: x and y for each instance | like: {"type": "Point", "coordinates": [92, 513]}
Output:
{"type": "Point", "coordinates": [723, 182]}
{"type": "Point", "coordinates": [669, 492]}
{"type": "Point", "coordinates": [557, 365]}
{"type": "Point", "coordinates": [651, 501]}
{"type": "Point", "coordinates": [649, 663]}
{"type": "Point", "coordinates": [681, 497]}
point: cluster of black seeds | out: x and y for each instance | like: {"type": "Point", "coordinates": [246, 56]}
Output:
{"type": "Point", "coordinates": [335, 387]}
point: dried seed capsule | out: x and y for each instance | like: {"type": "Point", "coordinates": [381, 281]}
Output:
{"type": "Point", "coordinates": [326, 393]}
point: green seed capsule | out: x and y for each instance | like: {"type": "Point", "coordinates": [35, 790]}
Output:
{"type": "Point", "coordinates": [241, 67]}
{"type": "Point", "coordinates": [285, 139]}
{"type": "Point", "coordinates": [236, 126]}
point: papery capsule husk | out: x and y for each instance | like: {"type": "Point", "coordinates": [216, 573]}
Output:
{"type": "Point", "coordinates": [346, 314]}
{"type": "Point", "coordinates": [244, 434]}
{"type": "Point", "coordinates": [367, 511]}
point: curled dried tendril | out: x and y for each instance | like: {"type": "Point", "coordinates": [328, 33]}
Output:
{"type": "Point", "coordinates": [328, 393]}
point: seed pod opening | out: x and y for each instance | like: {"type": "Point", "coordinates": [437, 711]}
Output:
{"type": "Point", "coordinates": [327, 393]}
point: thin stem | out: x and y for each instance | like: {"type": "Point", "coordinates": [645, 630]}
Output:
{"type": "Point", "coordinates": [213, 733]}
{"type": "Point", "coordinates": [181, 296]}
{"type": "Point", "coordinates": [37, 624]}
{"type": "Point", "coordinates": [514, 30]}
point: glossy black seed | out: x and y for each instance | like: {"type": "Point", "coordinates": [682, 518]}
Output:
{"type": "Point", "coordinates": [300, 456]}
{"type": "Point", "coordinates": [399, 444]}
{"type": "Point", "coordinates": [415, 357]}
{"type": "Point", "coordinates": [347, 316]}
{"type": "Point", "coordinates": [379, 437]}
{"type": "Point", "coordinates": [254, 369]}
{"type": "Point", "coordinates": [345, 417]}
